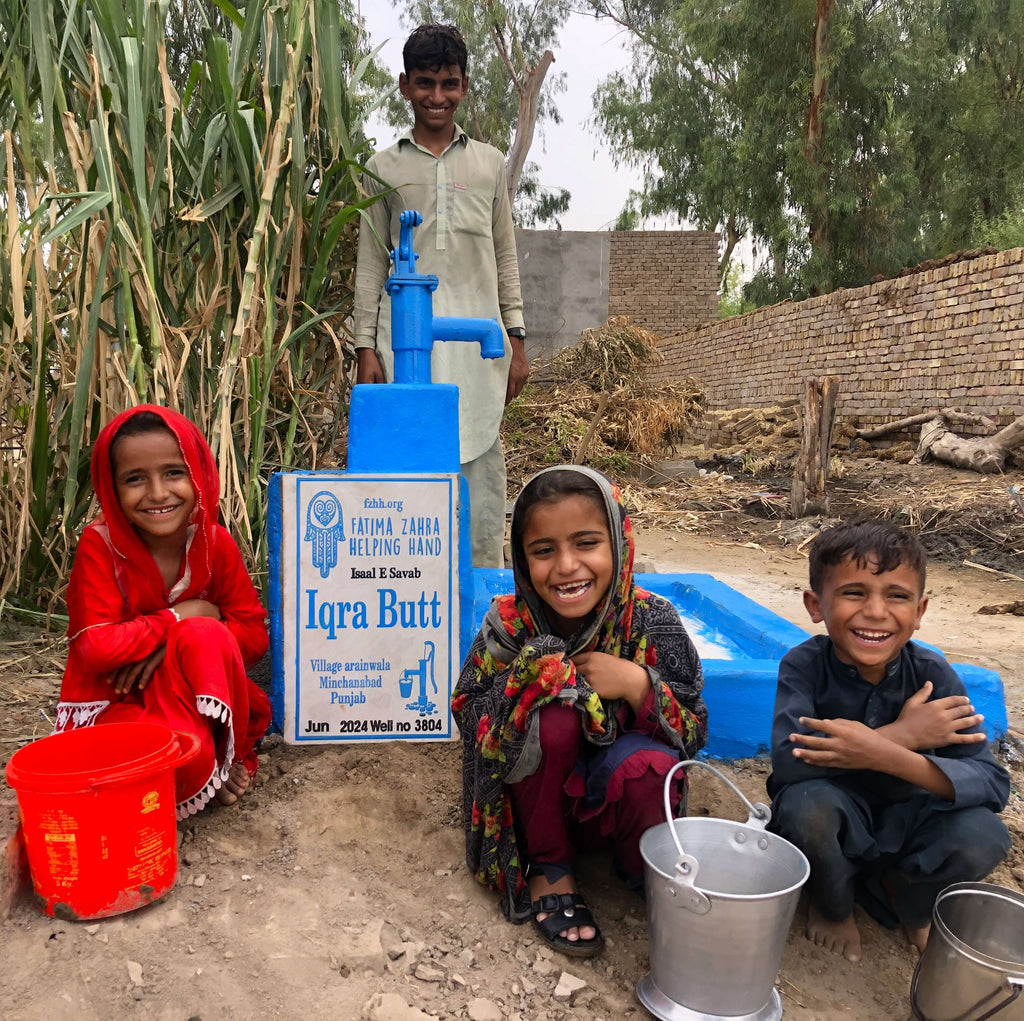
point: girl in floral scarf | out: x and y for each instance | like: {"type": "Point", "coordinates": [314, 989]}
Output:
{"type": "Point", "coordinates": [163, 617]}
{"type": "Point", "coordinates": [578, 695]}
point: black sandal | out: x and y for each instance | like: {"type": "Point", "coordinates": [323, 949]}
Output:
{"type": "Point", "coordinates": [566, 911]}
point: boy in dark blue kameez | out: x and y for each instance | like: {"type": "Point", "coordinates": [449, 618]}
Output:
{"type": "Point", "coordinates": [882, 774]}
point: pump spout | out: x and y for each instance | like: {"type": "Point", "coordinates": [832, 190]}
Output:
{"type": "Point", "coordinates": [414, 328]}
{"type": "Point", "coordinates": [486, 332]}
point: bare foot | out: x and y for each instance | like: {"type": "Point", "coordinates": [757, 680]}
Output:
{"type": "Point", "coordinates": [539, 886]}
{"type": "Point", "coordinates": [917, 935]}
{"type": "Point", "coordinates": [235, 785]}
{"type": "Point", "coordinates": [839, 937]}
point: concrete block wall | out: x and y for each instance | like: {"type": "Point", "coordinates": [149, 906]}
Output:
{"type": "Point", "coordinates": [946, 337]}
{"type": "Point", "coordinates": [564, 278]}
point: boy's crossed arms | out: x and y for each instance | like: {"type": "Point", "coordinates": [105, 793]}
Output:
{"type": "Point", "coordinates": [894, 748]}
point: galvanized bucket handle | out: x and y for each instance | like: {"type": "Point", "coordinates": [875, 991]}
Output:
{"type": "Point", "coordinates": [759, 813]}
{"type": "Point", "coordinates": [683, 885]}
{"type": "Point", "coordinates": [1014, 986]}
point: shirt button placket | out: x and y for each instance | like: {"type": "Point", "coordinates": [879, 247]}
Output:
{"type": "Point", "coordinates": [441, 234]}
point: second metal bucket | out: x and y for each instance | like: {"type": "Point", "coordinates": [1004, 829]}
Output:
{"type": "Point", "coordinates": [973, 966]}
{"type": "Point", "coordinates": [720, 899]}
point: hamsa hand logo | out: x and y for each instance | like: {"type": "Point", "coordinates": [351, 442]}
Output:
{"type": "Point", "coordinates": [325, 528]}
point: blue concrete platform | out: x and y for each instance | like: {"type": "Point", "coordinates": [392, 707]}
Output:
{"type": "Point", "coordinates": [740, 644]}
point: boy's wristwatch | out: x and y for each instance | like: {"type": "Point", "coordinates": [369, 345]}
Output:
{"type": "Point", "coordinates": [516, 331]}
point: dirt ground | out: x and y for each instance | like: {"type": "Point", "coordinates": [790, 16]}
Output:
{"type": "Point", "coordinates": [336, 888]}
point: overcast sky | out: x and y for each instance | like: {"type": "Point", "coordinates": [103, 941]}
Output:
{"type": "Point", "coordinates": [570, 154]}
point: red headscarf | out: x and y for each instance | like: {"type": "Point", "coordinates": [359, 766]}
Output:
{"type": "Point", "coordinates": [138, 573]}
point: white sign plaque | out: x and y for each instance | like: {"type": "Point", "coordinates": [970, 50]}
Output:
{"type": "Point", "coordinates": [369, 606]}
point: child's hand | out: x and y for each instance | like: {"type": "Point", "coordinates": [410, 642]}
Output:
{"type": "Point", "coordinates": [138, 674]}
{"type": "Point", "coordinates": [612, 677]}
{"type": "Point", "coordinates": [847, 744]}
{"type": "Point", "coordinates": [197, 608]}
{"type": "Point", "coordinates": [924, 724]}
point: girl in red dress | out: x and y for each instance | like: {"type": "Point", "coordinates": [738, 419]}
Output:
{"type": "Point", "coordinates": [164, 618]}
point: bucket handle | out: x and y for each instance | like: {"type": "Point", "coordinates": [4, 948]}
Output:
{"type": "Point", "coordinates": [188, 748]}
{"type": "Point", "coordinates": [1015, 983]}
{"type": "Point", "coordinates": [759, 813]}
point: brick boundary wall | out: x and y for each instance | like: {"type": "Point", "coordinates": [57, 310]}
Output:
{"type": "Point", "coordinates": [947, 337]}
{"type": "Point", "coordinates": [664, 280]}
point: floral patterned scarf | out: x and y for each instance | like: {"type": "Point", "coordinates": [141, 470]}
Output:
{"type": "Point", "coordinates": [518, 664]}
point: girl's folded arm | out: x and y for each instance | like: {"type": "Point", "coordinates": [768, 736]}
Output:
{"type": "Point", "coordinates": [98, 630]}
{"type": "Point", "coordinates": [483, 686]}
{"type": "Point", "coordinates": [109, 644]}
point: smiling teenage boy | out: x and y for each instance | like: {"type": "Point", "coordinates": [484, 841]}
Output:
{"type": "Point", "coordinates": [882, 775]}
{"type": "Point", "coordinates": [468, 241]}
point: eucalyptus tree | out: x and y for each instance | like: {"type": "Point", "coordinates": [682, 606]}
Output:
{"type": "Point", "coordinates": [970, 145]}
{"type": "Point", "coordinates": [845, 139]}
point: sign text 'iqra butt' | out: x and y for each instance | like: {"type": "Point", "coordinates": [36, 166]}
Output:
{"type": "Point", "coordinates": [370, 606]}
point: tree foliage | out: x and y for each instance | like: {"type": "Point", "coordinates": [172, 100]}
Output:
{"type": "Point", "coordinates": [846, 140]}
{"type": "Point", "coordinates": [510, 88]}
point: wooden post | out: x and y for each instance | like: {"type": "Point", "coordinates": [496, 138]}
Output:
{"type": "Point", "coordinates": [581, 450]}
{"type": "Point", "coordinates": [808, 494]}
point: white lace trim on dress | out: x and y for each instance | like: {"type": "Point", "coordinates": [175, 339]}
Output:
{"type": "Point", "coordinates": [217, 711]}
{"type": "Point", "coordinates": [79, 714]}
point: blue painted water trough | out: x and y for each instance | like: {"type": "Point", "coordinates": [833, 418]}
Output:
{"type": "Point", "coordinates": [740, 644]}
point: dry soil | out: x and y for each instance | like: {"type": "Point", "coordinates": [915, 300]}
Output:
{"type": "Point", "coordinates": [336, 887]}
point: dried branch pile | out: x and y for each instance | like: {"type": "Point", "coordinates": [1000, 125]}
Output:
{"type": "Point", "coordinates": [613, 355]}
{"type": "Point", "coordinates": [953, 513]}
{"type": "Point", "coordinates": [599, 384]}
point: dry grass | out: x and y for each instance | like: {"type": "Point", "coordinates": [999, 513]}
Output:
{"type": "Point", "coordinates": [545, 425]}
{"type": "Point", "coordinates": [975, 507]}
{"type": "Point", "coordinates": [31, 664]}
{"type": "Point", "coordinates": [607, 357]}
{"type": "Point", "coordinates": [604, 373]}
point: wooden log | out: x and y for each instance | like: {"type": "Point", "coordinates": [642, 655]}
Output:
{"type": "Point", "coordinates": [959, 417]}
{"type": "Point", "coordinates": [1016, 608]}
{"type": "Point", "coordinates": [985, 454]}
{"type": "Point", "coordinates": [893, 427]}
{"type": "Point", "coordinates": [808, 495]}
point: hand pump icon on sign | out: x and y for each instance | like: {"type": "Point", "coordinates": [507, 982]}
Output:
{"type": "Point", "coordinates": [408, 676]}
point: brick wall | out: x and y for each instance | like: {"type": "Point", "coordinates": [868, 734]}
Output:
{"type": "Point", "coordinates": [664, 280]}
{"type": "Point", "coordinates": [951, 336]}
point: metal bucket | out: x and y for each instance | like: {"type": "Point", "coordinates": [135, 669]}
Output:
{"type": "Point", "coordinates": [720, 899]}
{"type": "Point", "coordinates": [973, 966]}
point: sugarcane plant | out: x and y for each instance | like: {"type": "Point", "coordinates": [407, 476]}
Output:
{"type": "Point", "coordinates": [174, 231]}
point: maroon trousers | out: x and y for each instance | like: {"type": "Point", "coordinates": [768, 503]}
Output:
{"type": "Point", "coordinates": [552, 816]}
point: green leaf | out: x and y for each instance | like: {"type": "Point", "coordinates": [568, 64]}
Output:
{"type": "Point", "coordinates": [90, 204]}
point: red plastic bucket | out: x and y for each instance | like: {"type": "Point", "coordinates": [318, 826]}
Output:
{"type": "Point", "coordinates": [97, 812]}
